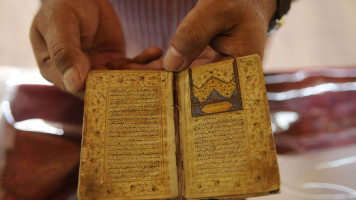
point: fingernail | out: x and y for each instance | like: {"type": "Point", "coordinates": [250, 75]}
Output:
{"type": "Point", "coordinates": [71, 79]}
{"type": "Point", "coordinates": [173, 60]}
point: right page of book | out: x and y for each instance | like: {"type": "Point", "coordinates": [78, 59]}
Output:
{"type": "Point", "coordinates": [226, 137]}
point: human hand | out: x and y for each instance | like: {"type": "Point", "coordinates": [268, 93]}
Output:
{"type": "Point", "coordinates": [70, 38]}
{"type": "Point", "coordinates": [219, 29]}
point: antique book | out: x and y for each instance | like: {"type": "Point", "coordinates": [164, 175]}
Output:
{"type": "Point", "coordinates": [201, 133]}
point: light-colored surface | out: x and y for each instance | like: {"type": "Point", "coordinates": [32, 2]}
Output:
{"type": "Point", "coordinates": [318, 33]}
{"type": "Point", "coordinates": [324, 174]}
{"type": "Point", "coordinates": [15, 21]}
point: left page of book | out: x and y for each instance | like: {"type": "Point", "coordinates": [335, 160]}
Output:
{"type": "Point", "coordinates": [128, 145]}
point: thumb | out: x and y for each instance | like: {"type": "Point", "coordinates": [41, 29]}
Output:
{"type": "Point", "coordinates": [194, 33]}
{"type": "Point", "coordinates": [61, 33]}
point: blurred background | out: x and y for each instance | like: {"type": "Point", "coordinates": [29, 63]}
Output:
{"type": "Point", "coordinates": [315, 50]}
{"type": "Point", "coordinates": [15, 22]}
{"type": "Point", "coordinates": [318, 33]}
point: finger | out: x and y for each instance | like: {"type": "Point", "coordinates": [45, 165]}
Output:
{"type": "Point", "coordinates": [209, 55]}
{"type": "Point", "coordinates": [233, 28]}
{"type": "Point", "coordinates": [111, 60]}
{"type": "Point", "coordinates": [60, 31]}
{"type": "Point", "coordinates": [148, 59]}
{"type": "Point", "coordinates": [41, 53]}
{"type": "Point", "coordinates": [246, 39]}
{"type": "Point", "coordinates": [148, 55]}
{"type": "Point", "coordinates": [193, 34]}
{"type": "Point", "coordinates": [117, 63]}
{"type": "Point", "coordinates": [153, 65]}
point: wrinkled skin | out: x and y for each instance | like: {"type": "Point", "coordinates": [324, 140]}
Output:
{"type": "Point", "coordinates": [220, 29]}
{"type": "Point", "coordinates": [72, 37]}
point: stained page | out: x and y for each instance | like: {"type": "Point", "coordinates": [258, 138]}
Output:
{"type": "Point", "coordinates": [226, 138]}
{"type": "Point", "coordinates": [128, 146]}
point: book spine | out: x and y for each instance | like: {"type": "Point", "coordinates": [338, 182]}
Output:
{"type": "Point", "coordinates": [179, 158]}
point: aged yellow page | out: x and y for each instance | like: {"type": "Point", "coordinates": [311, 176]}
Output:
{"type": "Point", "coordinates": [226, 138]}
{"type": "Point", "coordinates": [128, 146]}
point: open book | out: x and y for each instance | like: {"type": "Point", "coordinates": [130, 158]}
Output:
{"type": "Point", "coordinates": [201, 133]}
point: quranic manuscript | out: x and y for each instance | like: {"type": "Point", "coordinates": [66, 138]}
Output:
{"type": "Point", "coordinates": [201, 133]}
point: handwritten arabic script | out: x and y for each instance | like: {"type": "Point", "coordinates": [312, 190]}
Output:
{"type": "Point", "coordinates": [133, 136]}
